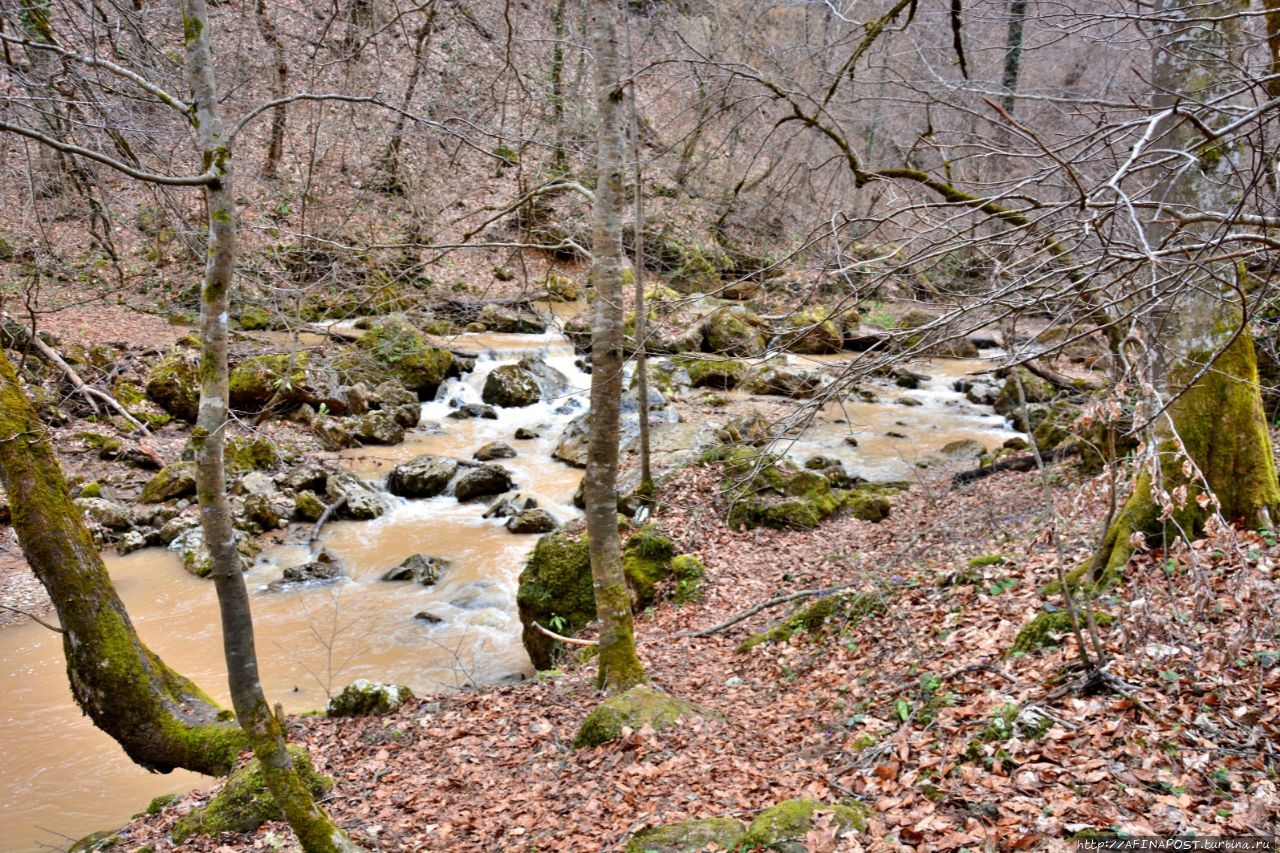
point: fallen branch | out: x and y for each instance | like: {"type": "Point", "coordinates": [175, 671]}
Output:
{"type": "Point", "coordinates": [773, 602]}
{"type": "Point", "coordinates": [573, 641]}
{"type": "Point", "coordinates": [34, 618]}
{"type": "Point", "coordinates": [1018, 463]}
{"type": "Point", "coordinates": [324, 517]}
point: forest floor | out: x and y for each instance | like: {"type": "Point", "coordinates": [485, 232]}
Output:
{"type": "Point", "coordinates": [918, 710]}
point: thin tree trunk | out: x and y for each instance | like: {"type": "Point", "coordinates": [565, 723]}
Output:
{"type": "Point", "coordinates": [161, 719]}
{"type": "Point", "coordinates": [315, 831]}
{"type": "Point", "coordinates": [642, 309]}
{"type": "Point", "coordinates": [279, 83]}
{"type": "Point", "coordinates": [1212, 449]}
{"type": "Point", "coordinates": [620, 667]}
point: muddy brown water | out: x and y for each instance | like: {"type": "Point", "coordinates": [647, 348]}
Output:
{"type": "Point", "coordinates": [63, 779]}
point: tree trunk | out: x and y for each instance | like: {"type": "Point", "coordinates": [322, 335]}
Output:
{"type": "Point", "coordinates": [315, 831]}
{"type": "Point", "coordinates": [1212, 449]}
{"type": "Point", "coordinates": [161, 719]}
{"type": "Point", "coordinates": [279, 82]}
{"type": "Point", "coordinates": [620, 667]}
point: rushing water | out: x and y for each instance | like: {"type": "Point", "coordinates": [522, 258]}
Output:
{"type": "Point", "coordinates": [63, 778]}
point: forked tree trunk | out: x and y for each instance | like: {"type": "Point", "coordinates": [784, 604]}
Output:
{"type": "Point", "coordinates": [620, 667]}
{"type": "Point", "coordinates": [161, 719]}
{"type": "Point", "coordinates": [1212, 448]}
{"type": "Point", "coordinates": [315, 831]}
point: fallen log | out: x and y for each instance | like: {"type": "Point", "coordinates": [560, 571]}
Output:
{"type": "Point", "coordinates": [1017, 463]}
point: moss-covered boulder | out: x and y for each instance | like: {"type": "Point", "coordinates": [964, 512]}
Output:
{"type": "Point", "coordinates": [783, 827]}
{"type": "Point", "coordinates": [735, 333]}
{"type": "Point", "coordinates": [765, 491]}
{"type": "Point", "coordinates": [555, 591]}
{"type": "Point", "coordinates": [173, 384]}
{"type": "Point", "coordinates": [170, 483]}
{"type": "Point", "coordinates": [640, 706]}
{"type": "Point", "coordinates": [690, 574]}
{"type": "Point", "coordinates": [499, 319]}
{"type": "Point", "coordinates": [714, 372]}
{"type": "Point", "coordinates": [1048, 629]}
{"type": "Point", "coordinates": [244, 803]}
{"type": "Point", "coordinates": [689, 836]}
{"type": "Point", "coordinates": [287, 380]}
{"type": "Point", "coordinates": [251, 453]}
{"type": "Point", "coordinates": [511, 386]}
{"type": "Point", "coordinates": [253, 318]}
{"type": "Point", "coordinates": [691, 266]}
{"type": "Point", "coordinates": [363, 698]}
{"type": "Point", "coordinates": [777, 380]}
{"type": "Point", "coordinates": [817, 615]}
{"type": "Point", "coordinates": [811, 331]}
{"type": "Point", "coordinates": [402, 352]}
{"type": "Point", "coordinates": [1034, 389]}
{"type": "Point", "coordinates": [646, 562]}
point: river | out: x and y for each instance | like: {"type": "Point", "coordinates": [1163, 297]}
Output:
{"type": "Point", "coordinates": [63, 778]}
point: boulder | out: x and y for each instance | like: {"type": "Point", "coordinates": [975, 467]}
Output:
{"type": "Point", "coordinates": [715, 372]}
{"type": "Point", "coordinates": [173, 384]}
{"type": "Point", "coordinates": [376, 427]}
{"type": "Point", "coordinates": [638, 707]}
{"type": "Point", "coordinates": [393, 351]}
{"type": "Point", "coordinates": [811, 331]}
{"type": "Point", "coordinates": [1034, 390]}
{"type": "Point", "coordinates": [323, 568]}
{"type": "Point", "coordinates": [363, 698]}
{"type": "Point", "coordinates": [510, 386]}
{"type": "Point", "coordinates": [784, 827]}
{"type": "Point", "coordinates": [555, 584]}
{"type": "Point", "coordinates": [689, 836]}
{"type": "Point", "coordinates": [418, 568]}
{"type": "Point", "coordinates": [252, 453]}
{"type": "Point", "coordinates": [467, 411]}
{"type": "Point", "coordinates": [173, 481]}
{"type": "Point", "coordinates": [499, 319]}
{"type": "Point", "coordinates": [105, 513]}
{"type": "Point", "coordinates": [195, 557]}
{"type": "Point", "coordinates": [288, 379]}
{"type": "Point", "coordinates": [362, 501]}
{"type": "Point", "coordinates": [775, 380]}
{"type": "Point", "coordinates": [532, 521]}
{"type": "Point", "coordinates": [494, 450]}
{"type": "Point", "coordinates": [309, 476]}
{"type": "Point", "coordinates": [483, 481]}
{"type": "Point", "coordinates": [422, 477]}
{"type": "Point", "coordinates": [731, 333]}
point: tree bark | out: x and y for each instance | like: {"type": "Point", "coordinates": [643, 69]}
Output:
{"type": "Point", "coordinates": [620, 667]}
{"type": "Point", "coordinates": [315, 831]}
{"type": "Point", "coordinates": [1212, 449]}
{"type": "Point", "coordinates": [161, 719]}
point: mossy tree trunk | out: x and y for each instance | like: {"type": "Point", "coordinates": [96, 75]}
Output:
{"type": "Point", "coordinates": [1212, 449]}
{"type": "Point", "coordinates": [315, 831]}
{"type": "Point", "coordinates": [620, 667]}
{"type": "Point", "coordinates": [161, 719]}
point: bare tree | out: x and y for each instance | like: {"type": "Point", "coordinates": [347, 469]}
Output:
{"type": "Point", "coordinates": [620, 668]}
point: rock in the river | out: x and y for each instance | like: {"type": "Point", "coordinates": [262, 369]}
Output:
{"type": "Point", "coordinates": [499, 319]}
{"type": "Point", "coordinates": [422, 477]}
{"type": "Point", "coordinates": [473, 410]}
{"type": "Point", "coordinates": [323, 568]}
{"type": "Point", "coordinates": [380, 426]}
{"type": "Point", "coordinates": [195, 557]}
{"type": "Point", "coordinates": [510, 386]}
{"type": "Point", "coordinates": [362, 501]}
{"type": "Point", "coordinates": [525, 434]}
{"type": "Point", "coordinates": [108, 514]}
{"type": "Point", "coordinates": [783, 381]}
{"type": "Point", "coordinates": [494, 450]}
{"type": "Point", "coordinates": [483, 481]}
{"type": "Point", "coordinates": [812, 331]}
{"type": "Point", "coordinates": [532, 521]}
{"type": "Point", "coordinates": [418, 568]}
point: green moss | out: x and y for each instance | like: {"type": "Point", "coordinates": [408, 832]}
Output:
{"type": "Point", "coordinates": [987, 560]}
{"type": "Point", "coordinates": [646, 562]}
{"type": "Point", "coordinates": [255, 453]}
{"type": "Point", "coordinates": [814, 617]}
{"type": "Point", "coordinates": [244, 803]}
{"type": "Point", "coordinates": [255, 381]}
{"type": "Point", "coordinates": [1047, 628]}
{"type": "Point", "coordinates": [690, 836]}
{"type": "Point", "coordinates": [811, 330]}
{"type": "Point", "coordinates": [107, 839]}
{"type": "Point", "coordinates": [92, 489]}
{"type": "Point", "coordinates": [555, 590]}
{"type": "Point", "coordinates": [791, 819]}
{"type": "Point", "coordinates": [173, 383]}
{"type": "Point", "coordinates": [710, 372]}
{"type": "Point", "coordinates": [639, 706]}
{"type": "Point", "coordinates": [158, 804]}
{"type": "Point", "coordinates": [419, 366]}
{"type": "Point", "coordinates": [253, 318]}
{"type": "Point", "coordinates": [690, 574]}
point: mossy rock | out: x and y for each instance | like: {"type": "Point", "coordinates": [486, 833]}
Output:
{"type": "Point", "coordinates": [419, 366]}
{"type": "Point", "coordinates": [107, 839]}
{"type": "Point", "coordinates": [555, 585]}
{"type": "Point", "coordinates": [646, 562]}
{"type": "Point", "coordinates": [690, 266]}
{"type": "Point", "coordinates": [812, 331]}
{"type": "Point", "coordinates": [561, 288]}
{"type": "Point", "coordinates": [363, 698]}
{"type": "Point", "coordinates": [170, 483]}
{"type": "Point", "coordinates": [1034, 390]}
{"type": "Point", "coordinates": [783, 827]}
{"type": "Point", "coordinates": [244, 803]}
{"type": "Point", "coordinates": [511, 386]}
{"type": "Point", "coordinates": [640, 706]}
{"type": "Point", "coordinates": [1047, 629]}
{"type": "Point", "coordinates": [689, 836]}
{"type": "Point", "coordinates": [255, 453]}
{"type": "Point", "coordinates": [253, 318]}
{"type": "Point", "coordinates": [714, 372]}
{"type": "Point", "coordinates": [767, 492]}
{"type": "Point", "coordinates": [690, 574]}
{"type": "Point", "coordinates": [173, 384]}
{"type": "Point", "coordinates": [732, 334]}
{"type": "Point", "coordinates": [815, 616]}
